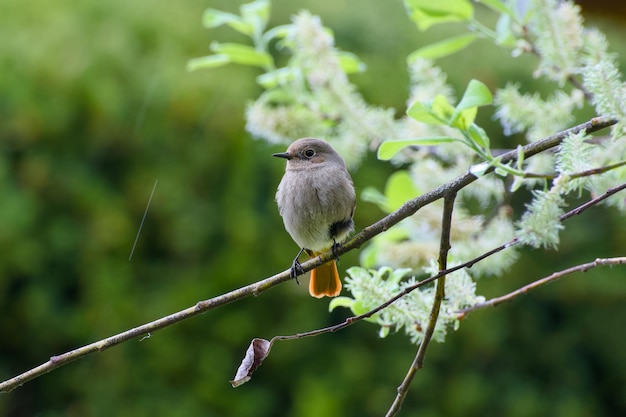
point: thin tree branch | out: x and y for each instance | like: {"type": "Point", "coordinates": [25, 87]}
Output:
{"type": "Point", "coordinates": [418, 362]}
{"type": "Point", "coordinates": [444, 248]}
{"type": "Point", "coordinates": [587, 173]}
{"type": "Point", "coordinates": [408, 209]}
{"type": "Point", "coordinates": [592, 202]}
{"type": "Point", "coordinates": [534, 285]}
{"type": "Point", "coordinates": [577, 84]}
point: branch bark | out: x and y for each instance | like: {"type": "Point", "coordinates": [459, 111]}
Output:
{"type": "Point", "coordinates": [408, 209]}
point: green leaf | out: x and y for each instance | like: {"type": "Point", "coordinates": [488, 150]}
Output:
{"type": "Point", "coordinates": [504, 32]}
{"type": "Point", "coordinates": [517, 183]}
{"type": "Point", "coordinates": [501, 171]}
{"type": "Point", "coordinates": [278, 32]}
{"type": "Point", "coordinates": [465, 118]}
{"type": "Point", "coordinates": [399, 189]}
{"type": "Point", "coordinates": [369, 256]}
{"type": "Point", "coordinates": [497, 6]}
{"type": "Point", "coordinates": [442, 110]}
{"type": "Point", "coordinates": [210, 61]}
{"type": "Point", "coordinates": [350, 63]}
{"type": "Point", "coordinates": [393, 235]}
{"type": "Point", "coordinates": [422, 112]}
{"type": "Point", "coordinates": [358, 308]}
{"type": "Point", "coordinates": [372, 195]}
{"type": "Point", "coordinates": [212, 18]}
{"type": "Point", "coordinates": [243, 54]}
{"type": "Point", "coordinates": [443, 48]}
{"type": "Point", "coordinates": [390, 148]}
{"type": "Point", "coordinates": [256, 14]}
{"type": "Point", "coordinates": [340, 302]}
{"type": "Point", "coordinates": [274, 78]}
{"type": "Point", "coordinates": [396, 275]}
{"type": "Point", "coordinates": [479, 136]}
{"type": "Point", "coordinates": [278, 96]}
{"type": "Point", "coordinates": [520, 157]}
{"type": "Point", "coordinates": [426, 13]}
{"type": "Point", "coordinates": [437, 112]}
{"type": "Point", "coordinates": [476, 94]}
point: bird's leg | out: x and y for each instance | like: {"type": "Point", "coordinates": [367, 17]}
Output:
{"type": "Point", "coordinates": [334, 249]}
{"type": "Point", "coordinates": [296, 268]}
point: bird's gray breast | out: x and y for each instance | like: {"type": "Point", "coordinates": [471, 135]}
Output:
{"type": "Point", "coordinates": [311, 201]}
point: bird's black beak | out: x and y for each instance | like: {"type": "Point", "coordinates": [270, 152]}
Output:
{"type": "Point", "coordinates": [285, 155]}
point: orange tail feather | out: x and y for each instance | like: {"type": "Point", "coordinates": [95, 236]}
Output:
{"type": "Point", "coordinates": [325, 281]}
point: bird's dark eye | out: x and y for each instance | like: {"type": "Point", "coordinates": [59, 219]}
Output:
{"type": "Point", "coordinates": [309, 153]}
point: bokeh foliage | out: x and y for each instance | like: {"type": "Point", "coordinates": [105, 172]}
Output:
{"type": "Point", "coordinates": [96, 106]}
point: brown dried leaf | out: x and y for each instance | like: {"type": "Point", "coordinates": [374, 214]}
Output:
{"type": "Point", "coordinates": [257, 351]}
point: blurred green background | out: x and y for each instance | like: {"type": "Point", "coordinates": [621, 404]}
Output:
{"type": "Point", "coordinates": [96, 105]}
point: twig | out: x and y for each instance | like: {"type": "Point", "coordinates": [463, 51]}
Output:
{"type": "Point", "coordinates": [444, 248]}
{"type": "Point", "coordinates": [533, 285]}
{"type": "Point", "coordinates": [587, 173]}
{"type": "Point", "coordinates": [418, 362]}
{"type": "Point", "coordinates": [590, 203]}
{"type": "Point", "coordinates": [408, 209]}
{"type": "Point", "coordinates": [577, 84]}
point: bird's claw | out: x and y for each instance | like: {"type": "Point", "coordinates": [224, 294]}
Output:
{"type": "Point", "coordinates": [334, 249]}
{"type": "Point", "coordinates": [296, 269]}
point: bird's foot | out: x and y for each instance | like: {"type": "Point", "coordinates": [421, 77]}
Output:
{"type": "Point", "coordinates": [296, 269]}
{"type": "Point", "coordinates": [334, 249]}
